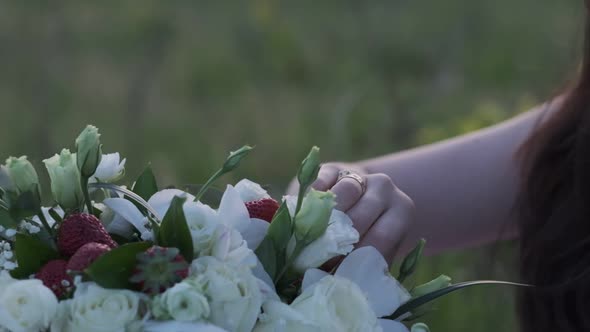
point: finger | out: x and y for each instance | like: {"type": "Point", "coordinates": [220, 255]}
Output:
{"type": "Point", "coordinates": [368, 209]}
{"type": "Point", "coordinates": [327, 177]}
{"type": "Point", "coordinates": [388, 231]}
{"type": "Point", "coordinates": [348, 192]}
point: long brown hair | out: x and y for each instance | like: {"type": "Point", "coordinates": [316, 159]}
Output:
{"type": "Point", "coordinates": [555, 214]}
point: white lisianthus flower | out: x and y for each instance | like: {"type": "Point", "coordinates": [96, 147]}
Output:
{"type": "Point", "coordinates": [25, 305]}
{"type": "Point", "coordinates": [361, 291]}
{"type": "Point", "coordinates": [96, 309]}
{"type": "Point", "coordinates": [232, 212]}
{"type": "Point", "coordinates": [172, 326]}
{"type": "Point", "coordinates": [338, 239]}
{"type": "Point", "coordinates": [278, 316]}
{"type": "Point", "coordinates": [22, 173]}
{"type": "Point", "coordinates": [337, 304]}
{"type": "Point", "coordinates": [88, 150]}
{"type": "Point", "coordinates": [65, 179]}
{"type": "Point", "coordinates": [184, 302]}
{"type": "Point", "coordinates": [110, 169]}
{"type": "Point", "coordinates": [232, 291]}
{"type": "Point", "coordinates": [229, 246]}
{"type": "Point", "coordinates": [250, 191]}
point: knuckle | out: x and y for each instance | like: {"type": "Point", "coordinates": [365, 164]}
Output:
{"type": "Point", "coordinates": [382, 181]}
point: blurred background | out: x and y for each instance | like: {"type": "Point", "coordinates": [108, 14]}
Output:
{"type": "Point", "coordinates": [181, 83]}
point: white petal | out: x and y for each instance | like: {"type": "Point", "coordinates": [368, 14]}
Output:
{"type": "Point", "coordinates": [338, 239]}
{"type": "Point", "coordinates": [121, 227]}
{"type": "Point", "coordinates": [255, 232]}
{"type": "Point", "coordinates": [161, 200]}
{"type": "Point", "coordinates": [291, 202]}
{"type": "Point", "coordinates": [127, 211]}
{"type": "Point", "coordinates": [250, 191]}
{"type": "Point", "coordinates": [311, 277]}
{"type": "Point", "coordinates": [172, 326]}
{"type": "Point", "coordinates": [259, 272]}
{"type": "Point", "coordinates": [267, 292]}
{"type": "Point", "coordinates": [367, 268]}
{"type": "Point", "coordinates": [232, 210]}
{"type": "Point", "coordinates": [111, 167]}
{"type": "Point", "coordinates": [392, 326]}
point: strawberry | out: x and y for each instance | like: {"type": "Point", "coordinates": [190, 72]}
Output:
{"type": "Point", "coordinates": [87, 254]}
{"type": "Point", "coordinates": [54, 276]}
{"type": "Point", "coordinates": [264, 209]}
{"type": "Point", "coordinates": [79, 229]}
{"type": "Point", "coordinates": [158, 269]}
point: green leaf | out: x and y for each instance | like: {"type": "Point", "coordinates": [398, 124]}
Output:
{"type": "Point", "coordinates": [114, 268]}
{"type": "Point", "coordinates": [31, 254]}
{"type": "Point", "coordinates": [424, 299]}
{"type": "Point", "coordinates": [174, 231]}
{"type": "Point", "coordinates": [146, 185]}
{"type": "Point", "coordinates": [280, 229]}
{"type": "Point", "coordinates": [6, 219]}
{"type": "Point", "coordinates": [27, 204]}
{"type": "Point", "coordinates": [272, 250]}
{"type": "Point", "coordinates": [411, 261]}
{"type": "Point", "coordinates": [267, 254]}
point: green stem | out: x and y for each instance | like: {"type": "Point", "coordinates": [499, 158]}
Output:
{"type": "Point", "coordinates": [290, 260]}
{"type": "Point", "coordinates": [208, 184]}
{"type": "Point", "coordinates": [299, 199]}
{"type": "Point", "coordinates": [45, 223]}
{"type": "Point", "coordinates": [86, 194]}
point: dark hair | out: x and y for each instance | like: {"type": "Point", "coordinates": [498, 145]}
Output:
{"type": "Point", "coordinates": [554, 210]}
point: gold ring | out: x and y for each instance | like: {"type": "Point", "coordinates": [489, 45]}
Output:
{"type": "Point", "coordinates": [346, 174]}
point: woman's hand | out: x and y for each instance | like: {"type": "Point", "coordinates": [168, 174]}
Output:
{"type": "Point", "coordinates": [381, 213]}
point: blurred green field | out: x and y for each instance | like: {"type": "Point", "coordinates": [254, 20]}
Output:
{"type": "Point", "coordinates": [180, 83]}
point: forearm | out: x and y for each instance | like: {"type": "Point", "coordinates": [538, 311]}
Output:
{"type": "Point", "coordinates": [465, 188]}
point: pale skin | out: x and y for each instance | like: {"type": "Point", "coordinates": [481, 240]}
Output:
{"type": "Point", "coordinates": [462, 190]}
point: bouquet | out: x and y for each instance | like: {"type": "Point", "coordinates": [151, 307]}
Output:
{"type": "Point", "coordinates": [104, 257]}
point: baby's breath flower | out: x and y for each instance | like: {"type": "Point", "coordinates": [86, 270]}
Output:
{"type": "Point", "coordinates": [6, 257]}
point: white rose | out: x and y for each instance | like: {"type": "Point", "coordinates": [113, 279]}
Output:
{"type": "Point", "coordinates": [362, 287]}
{"type": "Point", "coordinates": [203, 225]}
{"type": "Point", "coordinates": [233, 293]}
{"type": "Point", "coordinates": [339, 239]}
{"type": "Point", "coordinates": [337, 304]}
{"type": "Point", "coordinates": [110, 169]}
{"type": "Point", "coordinates": [184, 302]}
{"type": "Point", "coordinates": [96, 309]}
{"type": "Point", "coordinates": [230, 247]}
{"type": "Point", "coordinates": [250, 191]}
{"type": "Point", "coordinates": [172, 326]}
{"type": "Point", "coordinates": [25, 305]}
{"type": "Point", "coordinates": [278, 316]}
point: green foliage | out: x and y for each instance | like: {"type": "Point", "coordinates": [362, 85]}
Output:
{"type": "Point", "coordinates": [31, 255]}
{"type": "Point", "coordinates": [146, 184]}
{"type": "Point", "coordinates": [174, 231]}
{"type": "Point", "coordinates": [114, 268]}
{"type": "Point", "coordinates": [272, 250]}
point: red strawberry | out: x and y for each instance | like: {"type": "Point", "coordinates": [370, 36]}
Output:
{"type": "Point", "coordinates": [79, 229]}
{"type": "Point", "coordinates": [54, 276]}
{"type": "Point", "coordinates": [87, 254]}
{"type": "Point", "coordinates": [264, 209]}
